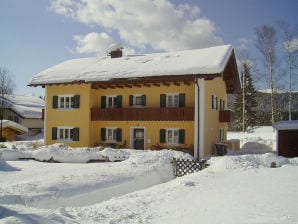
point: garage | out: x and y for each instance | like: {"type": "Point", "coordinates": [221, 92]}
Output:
{"type": "Point", "coordinates": [287, 138]}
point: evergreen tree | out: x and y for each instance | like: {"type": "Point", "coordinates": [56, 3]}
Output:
{"type": "Point", "coordinates": [245, 102]}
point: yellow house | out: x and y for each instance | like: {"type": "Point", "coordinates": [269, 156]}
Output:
{"type": "Point", "coordinates": [175, 100]}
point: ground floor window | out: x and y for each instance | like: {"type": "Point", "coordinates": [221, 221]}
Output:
{"type": "Point", "coordinates": [222, 135]}
{"type": "Point", "coordinates": [172, 136]}
{"type": "Point", "coordinates": [111, 134]}
{"type": "Point", "coordinates": [65, 133]}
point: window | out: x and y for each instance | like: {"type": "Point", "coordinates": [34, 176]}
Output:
{"type": "Point", "coordinates": [137, 100]}
{"type": "Point", "coordinates": [65, 134]}
{"type": "Point", "coordinates": [111, 134]}
{"type": "Point", "coordinates": [172, 100]}
{"type": "Point", "coordinates": [172, 136]}
{"type": "Point", "coordinates": [111, 101]}
{"type": "Point", "coordinates": [222, 104]}
{"type": "Point", "coordinates": [222, 135]}
{"type": "Point", "coordinates": [214, 102]}
{"type": "Point", "coordinates": [66, 101]}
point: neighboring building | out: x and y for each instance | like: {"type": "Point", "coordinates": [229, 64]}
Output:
{"type": "Point", "coordinates": [26, 111]}
{"type": "Point", "coordinates": [175, 100]}
{"type": "Point", "coordinates": [287, 138]}
{"type": "Point", "coordinates": [11, 129]}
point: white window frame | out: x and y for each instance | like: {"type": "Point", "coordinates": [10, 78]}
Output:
{"type": "Point", "coordinates": [221, 134]}
{"type": "Point", "coordinates": [65, 132]}
{"type": "Point", "coordinates": [172, 101]}
{"type": "Point", "coordinates": [113, 97]}
{"type": "Point", "coordinates": [64, 97]}
{"type": "Point", "coordinates": [175, 139]}
{"type": "Point", "coordinates": [113, 138]}
{"type": "Point", "coordinates": [134, 102]}
{"type": "Point", "coordinates": [215, 102]}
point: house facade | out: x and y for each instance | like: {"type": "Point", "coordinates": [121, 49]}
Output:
{"type": "Point", "coordinates": [26, 111]}
{"type": "Point", "coordinates": [168, 100]}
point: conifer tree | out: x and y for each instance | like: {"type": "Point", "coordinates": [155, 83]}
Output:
{"type": "Point", "coordinates": [245, 102]}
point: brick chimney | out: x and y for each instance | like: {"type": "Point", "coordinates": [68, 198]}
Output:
{"type": "Point", "coordinates": [115, 51]}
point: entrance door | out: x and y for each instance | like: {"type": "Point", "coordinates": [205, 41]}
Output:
{"type": "Point", "coordinates": [138, 136]}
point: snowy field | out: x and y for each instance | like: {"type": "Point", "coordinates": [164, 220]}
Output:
{"type": "Point", "coordinates": [237, 188]}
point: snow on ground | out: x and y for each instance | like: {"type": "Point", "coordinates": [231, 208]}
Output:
{"type": "Point", "coordinates": [141, 189]}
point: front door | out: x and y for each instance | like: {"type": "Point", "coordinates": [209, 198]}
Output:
{"type": "Point", "coordinates": [138, 136]}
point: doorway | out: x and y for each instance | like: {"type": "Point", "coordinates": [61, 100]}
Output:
{"type": "Point", "coordinates": [138, 138]}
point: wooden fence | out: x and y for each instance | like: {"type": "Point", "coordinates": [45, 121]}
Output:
{"type": "Point", "coordinates": [182, 167]}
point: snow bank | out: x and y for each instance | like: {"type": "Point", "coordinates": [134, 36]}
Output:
{"type": "Point", "coordinates": [248, 161]}
{"type": "Point", "coordinates": [259, 140]}
{"type": "Point", "coordinates": [4, 166]}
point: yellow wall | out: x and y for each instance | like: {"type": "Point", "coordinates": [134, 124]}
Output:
{"type": "Point", "coordinates": [152, 94]}
{"type": "Point", "coordinates": [151, 131]}
{"type": "Point", "coordinates": [69, 117]}
{"type": "Point", "coordinates": [212, 125]}
{"type": "Point", "coordinates": [90, 130]}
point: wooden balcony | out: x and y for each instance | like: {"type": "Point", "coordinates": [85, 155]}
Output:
{"type": "Point", "coordinates": [142, 114]}
{"type": "Point", "coordinates": [225, 115]}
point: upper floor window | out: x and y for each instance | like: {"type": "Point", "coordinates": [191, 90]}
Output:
{"type": "Point", "coordinates": [65, 133]}
{"type": "Point", "coordinates": [214, 102]}
{"type": "Point", "coordinates": [137, 100]}
{"type": "Point", "coordinates": [111, 101]}
{"type": "Point", "coordinates": [172, 100]}
{"type": "Point", "coordinates": [66, 101]}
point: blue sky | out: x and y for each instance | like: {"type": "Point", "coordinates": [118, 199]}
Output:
{"type": "Point", "coordinates": [37, 34]}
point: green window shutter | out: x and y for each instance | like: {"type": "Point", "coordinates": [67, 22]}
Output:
{"type": "Point", "coordinates": [54, 133]}
{"type": "Point", "coordinates": [182, 100]}
{"type": "Point", "coordinates": [181, 136]}
{"type": "Point", "coordinates": [55, 102]}
{"type": "Point", "coordinates": [76, 134]}
{"type": "Point", "coordinates": [76, 101]}
{"type": "Point", "coordinates": [103, 102]}
{"type": "Point", "coordinates": [162, 135]}
{"type": "Point", "coordinates": [119, 135]}
{"type": "Point", "coordinates": [103, 134]}
{"type": "Point", "coordinates": [130, 100]}
{"type": "Point", "coordinates": [163, 100]}
{"type": "Point", "coordinates": [119, 101]}
{"type": "Point", "coordinates": [144, 100]}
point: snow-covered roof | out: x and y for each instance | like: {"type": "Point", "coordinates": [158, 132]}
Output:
{"type": "Point", "coordinates": [205, 61]}
{"type": "Point", "coordinates": [286, 125]}
{"type": "Point", "coordinates": [18, 127]}
{"type": "Point", "coordinates": [26, 106]}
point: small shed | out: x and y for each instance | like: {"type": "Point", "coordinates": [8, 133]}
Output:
{"type": "Point", "coordinates": [287, 138]}
{"type": "Point", "coordinates": [11, 129]}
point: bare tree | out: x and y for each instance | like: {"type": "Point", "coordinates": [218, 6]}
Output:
{"type": "Point", "coordinates": [7, 85]}
{"type": "Point", "coordinates": [290, 45]}
{"type": "Point", "coordinates": [266, 43]}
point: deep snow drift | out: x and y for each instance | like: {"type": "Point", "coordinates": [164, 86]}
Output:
{"type": "Point", "coordinates": [233, 189]}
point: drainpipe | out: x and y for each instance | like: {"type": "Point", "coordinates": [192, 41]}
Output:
{"type": "Point", "coordinates": [196, 121]}
{"type": "Point", "coordinates": [199, 136]}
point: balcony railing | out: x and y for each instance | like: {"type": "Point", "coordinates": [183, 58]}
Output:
{"type": "Point", "coordinates": [142, 114]}
{"type": "Point", "coordinates": [225, 115]}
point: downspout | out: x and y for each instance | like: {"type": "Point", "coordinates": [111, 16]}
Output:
{"type": "Point", "coordinates": [199, 136]}
{"type": "Point", "coordinates": [196, 121]}
{"type": "Point", "coordinates": [45, 116]}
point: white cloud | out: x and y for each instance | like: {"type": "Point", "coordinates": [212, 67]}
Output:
{"type": "Point", "coordinates": [93, 43]}
{"type": "Point", "coordinates": [143, 24]}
